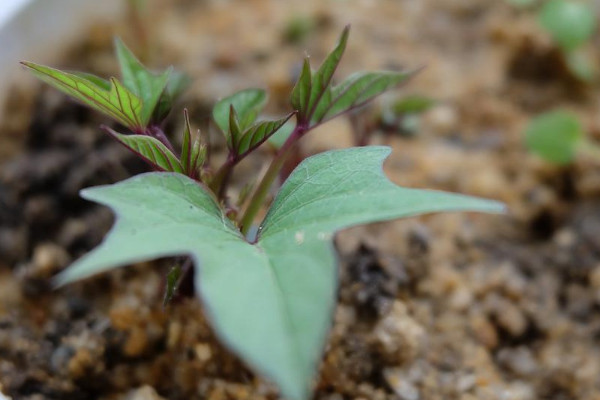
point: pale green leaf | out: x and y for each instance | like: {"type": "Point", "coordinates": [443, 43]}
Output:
{"type": "Point", "coordinates": [247, 103]}
{"type": "Point", "coordinates": [149, 149]}
{"type": "Point", "coordinates": [145, 84]}
{"type": "Point", "coordinates": [119, 103]}
{"type": "Point", "coordinates": [270, 302]}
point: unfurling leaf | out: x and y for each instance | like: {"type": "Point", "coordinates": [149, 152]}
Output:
{"type": "Point", "coordinates": [150, 150]}
{"type": "Point", "coordinates": [247, 104]}
{"type": "Point", "coordinates": [272, 301]}
{"type": "Point", "coordinates": [145, 84]}
{"type": "Point", "coordinates": [301, 93]}
{"type": "Point", "coordinates": [117, 102]}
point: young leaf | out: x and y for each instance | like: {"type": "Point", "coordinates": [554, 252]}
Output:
{"type": "Point", "coordinates": [571, 23]}
{"type": "Point", "coordinates": [150, 149]}
{"type": "Point", "coordinates": [117, 102]}
{"type": "Point", "coordinates": [258, 134]}
{"type": "Point", "coordinates": [186, 146]}
{"type": "Point", "coordinates": [554, 136]}
{"type": "Point", "coordinates": [247, 104]}
{"type": "Point", "coordinates": [271, 302]}
{"type": "Point", "coordinates": [148, 86]}
{"type": "Point", "coordinates": [355, 91]}
{"type": "Point", "coordinates": [300, 97]}
{"type": "Point", "coordinates": [235, 131]}
{"type": "Point", "coordinates": [322, 78]}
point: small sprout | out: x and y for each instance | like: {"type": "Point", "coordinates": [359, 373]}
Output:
{"type": "Point", "coordinates": [571, 23]}
{"type": "Point", "coordinates": [558, 137]}
{"type": "Point", "coordinates": [554, 136]}
{"type": "Point", "coordinates": [403, 115]}
{"type": "Point", "coordinates": [269, 289]}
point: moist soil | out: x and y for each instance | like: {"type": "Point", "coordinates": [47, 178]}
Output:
{"type": "Point", "coordinates": [449, 306]}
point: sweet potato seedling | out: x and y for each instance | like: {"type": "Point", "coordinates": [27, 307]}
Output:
{"type": "Point", "coordinates": [269, 289]}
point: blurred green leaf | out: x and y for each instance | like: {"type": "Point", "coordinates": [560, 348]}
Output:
{"type": "Point", "coordinates": [414, 104]}
{"type": "Point", "coordinates": [554, 136]}
{"type": "Point", "coordinates": [581, 65]}
{"type": "Point", "coordinates": [571, 23]}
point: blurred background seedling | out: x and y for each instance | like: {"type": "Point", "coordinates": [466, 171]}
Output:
{"type": "Point", "coordinates": [558, 137]}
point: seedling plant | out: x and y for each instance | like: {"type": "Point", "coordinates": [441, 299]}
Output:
{"type": "Point", "coordinates": [558, 137]}
{"type": "Point", "coordinates": [268, 289]}
{"type": "Point", "coordinates": [571, 24]}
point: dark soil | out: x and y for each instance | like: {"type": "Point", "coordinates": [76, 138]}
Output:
{"type": "Point", "coordinates": [454, 306]}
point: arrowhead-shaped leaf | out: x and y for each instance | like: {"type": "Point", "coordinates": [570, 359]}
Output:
{"type": "Point", "coordinates": [145, 84]}
{"type": "Point", "coordinates": [247, 104]}
{"type": "Point", "coordinates": [150, 150]}
{"type": "Point", "coordinates": [271, 302]}
{"type": "Point", "coordinates": [117, 102]}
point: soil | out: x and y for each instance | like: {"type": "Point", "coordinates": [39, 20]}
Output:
{"type": "Point", "coordinates": [449, 306]}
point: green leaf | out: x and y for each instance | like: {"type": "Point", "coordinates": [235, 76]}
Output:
{"type": "Point", "coordinates": [322, 78]}
{"type": "Point", "coordinates": [582, 65]}
{"type": "Point", "coordinates": [171, 287]}
{"type": "Point", "coordinates": [571, 23]}
{"type": "Point", "coordinates": [118, 102]}
{"type": "Point", "coordinates": [301, 93]}
{"type": "Point", "coordinates": [258, 134]}
{"type": "Point", "coordinates": [96, 80]}
{"type": "Point", "coordinates": [414, 104]}
{"type": "Point", "coordinates": [149, 149]}
{"type": "Point", "coordinates": [356, 91]}
{"type": "Point", "coordinates": [186, 146]}
{"type": "Point", "coordinates": [554, 136]}
{"type": "Point", "coordinates": [270, 302]}
{"type": "Point", "coordinates": [247, 104]}
{"type": "Point", "coordinates": [145, 84]}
